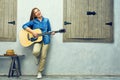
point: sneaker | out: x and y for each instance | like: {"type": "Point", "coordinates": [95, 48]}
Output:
{"type": "Point", "coordinates": [39, 75]}
{"type": "Point", "coordinates": [36, 60]}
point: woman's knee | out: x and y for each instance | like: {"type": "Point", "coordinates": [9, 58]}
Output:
{"type": "Point", "coordinates": [36, 49]}
{"type": "Point", "coordinates": [36, 52]}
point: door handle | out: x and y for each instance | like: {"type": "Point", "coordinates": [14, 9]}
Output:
{"type": "Point", "coordinates": [109, 23]}
{"type": "Point", "coordinates": [11, 22]}
{"type": "Point", "coordinates": [66, 23]}
{"type": "Point", "coordinates": [91, 13]}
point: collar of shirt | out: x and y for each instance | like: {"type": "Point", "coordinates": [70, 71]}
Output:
{"type": "Point", "coordinates": [39, 20]}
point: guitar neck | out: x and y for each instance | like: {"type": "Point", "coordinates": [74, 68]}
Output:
{"type": "Point", "coordinates": [47, 33]}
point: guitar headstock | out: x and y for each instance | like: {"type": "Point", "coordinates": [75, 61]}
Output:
{"type": "Point", "coordinates": [62, 30]}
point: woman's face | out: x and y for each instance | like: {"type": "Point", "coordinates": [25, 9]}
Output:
{"type": "Point", "coordinates": [37, 13]}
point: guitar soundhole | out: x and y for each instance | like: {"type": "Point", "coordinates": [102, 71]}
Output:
{"type": "Point", "coordinates": [31, 39]}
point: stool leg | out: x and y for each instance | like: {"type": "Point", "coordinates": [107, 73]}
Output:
{"type": "Point", "coordinates": [14, 67]}
{"type": "Point", "coordinates": [19, 67]}
{"type": "Point", "coordinates": [10, 69]}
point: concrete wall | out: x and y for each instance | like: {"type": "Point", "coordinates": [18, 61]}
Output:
{"type": "Point", "coordinates": [65, 58]}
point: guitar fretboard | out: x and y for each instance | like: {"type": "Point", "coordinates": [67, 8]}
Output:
{"type": "Point", "coordinates": [47, 33]}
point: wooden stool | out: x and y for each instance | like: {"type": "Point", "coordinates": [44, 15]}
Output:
{"type": "Point", "coordinates": [15, 70]}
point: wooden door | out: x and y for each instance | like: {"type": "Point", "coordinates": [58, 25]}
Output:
{"type": "Point", "coordinates": [8, 15]}
{"type": "Point", "coordinates": [88, 20]}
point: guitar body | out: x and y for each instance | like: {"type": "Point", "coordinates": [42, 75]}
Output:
{"type": "Point", "coordinates": [26, 38]}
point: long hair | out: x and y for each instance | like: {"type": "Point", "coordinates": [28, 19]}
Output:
{"type": "Point", "coordinates": [32, 16]}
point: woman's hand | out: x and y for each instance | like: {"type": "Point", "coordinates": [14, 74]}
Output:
{"type": "Point", "coordinates": [53, 33]}
{"type": "Point", "coordinates": [35, 34]}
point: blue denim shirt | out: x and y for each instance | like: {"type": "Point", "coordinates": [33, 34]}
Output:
{"type": "Point", "coordinates": [43, 25]}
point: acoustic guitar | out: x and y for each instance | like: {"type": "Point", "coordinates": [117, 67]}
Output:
{"type": "Point", "coordinates": [27, 39]}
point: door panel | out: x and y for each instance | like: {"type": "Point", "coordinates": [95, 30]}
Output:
{"type": "Point", "coordinates": [1, 17]}
{"type": "Point", "coordinates": [76, 14]}
{"type": "Point", "coordinates": [8, 13]}
{"type": "Point", "coordinates": [108, 29]}
{"type": "Point", "coordinates": [95, 20]}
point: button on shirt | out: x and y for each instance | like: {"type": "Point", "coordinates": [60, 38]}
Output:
{"type": "Point", "coordinates": [43, 25]}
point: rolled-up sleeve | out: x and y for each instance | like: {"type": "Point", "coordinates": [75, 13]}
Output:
{"type": "Point", "coordinates": [28, 24]}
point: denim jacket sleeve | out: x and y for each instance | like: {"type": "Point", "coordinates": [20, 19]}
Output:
{"type": "Point", "coordinates": [28, 24]}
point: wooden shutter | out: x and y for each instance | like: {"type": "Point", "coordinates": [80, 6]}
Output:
{"type": "Point", "coordinates": [91, 20]}
{"type": "Point", "coordinates": [8, 14]}
{"type": "Point", "coordinates": [73, 11]}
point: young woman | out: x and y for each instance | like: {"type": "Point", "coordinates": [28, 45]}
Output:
{"type": "Point", "coordinates": [37, 21]}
